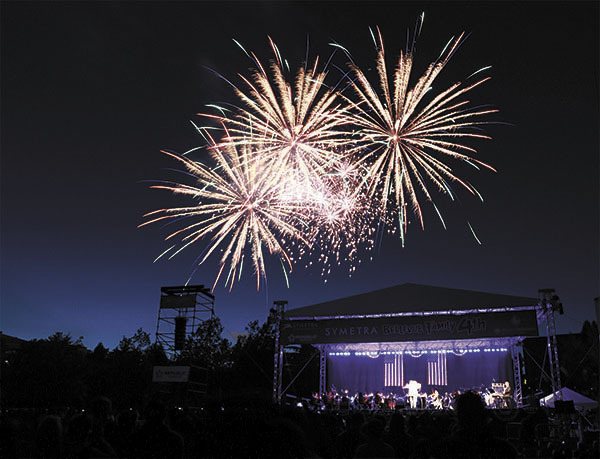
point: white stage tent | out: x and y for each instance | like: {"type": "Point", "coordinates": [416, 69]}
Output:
{"type": "Point", "coordinates": [580, 401]}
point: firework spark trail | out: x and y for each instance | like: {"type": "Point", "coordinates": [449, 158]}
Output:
{"type": "Point", "coordinates": [298, 124]}
{"type": "Point", "coordinates": [406, 141]}
{"type": "Point", "coordinates": [238, 208]}
{"type": "Point", "coordinates": [342, 220]}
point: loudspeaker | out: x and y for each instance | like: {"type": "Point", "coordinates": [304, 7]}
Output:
{"type": "Point", "coordinates": [180, 323]}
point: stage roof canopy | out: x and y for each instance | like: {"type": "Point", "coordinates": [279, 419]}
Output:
{"type": "Point", "coordinates": [407, 298]}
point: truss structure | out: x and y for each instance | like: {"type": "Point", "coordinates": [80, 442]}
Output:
{"type": "Point", "coordinates": [278, 356]}
{"type": "Point", "coordinates": [547, 307]}
{"type": "Point", "coordinates": [188, 305]}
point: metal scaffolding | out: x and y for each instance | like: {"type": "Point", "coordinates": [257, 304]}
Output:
{"type": "Point", "coordinates": [515, 351]}
{"type": "Point", "coordinates": [549, 303]}
{"type": "Point", "coordinates": [180, 312]}
{"type": "Point", "coordinates": [278, 354]}
{"type": "Point", "coordinates": [322, 369]}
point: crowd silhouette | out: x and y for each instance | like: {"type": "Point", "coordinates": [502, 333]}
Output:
{"type": "Point", "coordinates": [52, 408]}
{"type": "Point", "coordinates": [258, 429]}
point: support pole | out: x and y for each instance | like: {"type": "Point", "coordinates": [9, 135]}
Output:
{"type": "Point", "coordinates": [278, 353]}
{"type": "Point", "coordinates": [597, 308]}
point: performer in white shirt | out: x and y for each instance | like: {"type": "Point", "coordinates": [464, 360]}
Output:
{"type": "Point", "coordinates": [414, 388]}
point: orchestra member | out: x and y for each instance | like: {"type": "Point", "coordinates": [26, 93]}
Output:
{"type": "Point", "coordinates": [315, 401]}
{"type": "Point", "coordinates": [508, 396]}
{"type": "Point", "coordinates": [436, 400]}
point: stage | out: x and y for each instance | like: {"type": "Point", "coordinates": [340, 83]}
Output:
{"type": "Point", "coordinates": [445, 366]}
{"type": "Point", "coordinates": [449, 340]}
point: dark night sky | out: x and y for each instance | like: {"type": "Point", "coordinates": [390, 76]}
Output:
{"type": "Point", "coordinates": [92, 92]}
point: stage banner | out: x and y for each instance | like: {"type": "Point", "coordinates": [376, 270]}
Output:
{"type": "Point", "coordinates": [177, 301]}
{"type": "Point", "coordinates": [413, 328]}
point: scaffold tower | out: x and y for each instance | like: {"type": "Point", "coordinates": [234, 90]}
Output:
{"type": "Point", "coordinates": [181, 310]}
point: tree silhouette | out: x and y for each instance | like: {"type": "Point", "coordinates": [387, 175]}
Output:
{"type": "Point", "coordinates": [46, 373]}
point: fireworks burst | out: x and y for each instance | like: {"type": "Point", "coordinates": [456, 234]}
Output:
{"type": "Point", "coordinates": [406, 141]}
{"type": "Point", "coordinates": [304, 172]}
{"type": "Point", "coordinates": [238, 207]}
{"type": "Point", "coordinates": [297, 124]}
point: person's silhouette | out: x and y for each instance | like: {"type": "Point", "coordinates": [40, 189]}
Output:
{"type": "Point", "coordinates": [155, 439]}
{"type": "Point", "coordinates": [375, 446]}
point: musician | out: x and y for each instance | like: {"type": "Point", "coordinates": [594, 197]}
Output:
{"type": "Point", "coordinates": [315, 401]}
{"type": "Point", "coordinates": [345, 400]}
{"type": "Point", "coordinates": [379, 399]}
{"type": "Point", "coordinates": [414, 388]}
{"type": "Point", "coordinates": [509, 401]}
{"type": "Point", "coordinates": [390, 402]}
{"type": "Point", "coordinates": [435, 399]}
{"type": "Point", "coordinates": [330, 398]}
